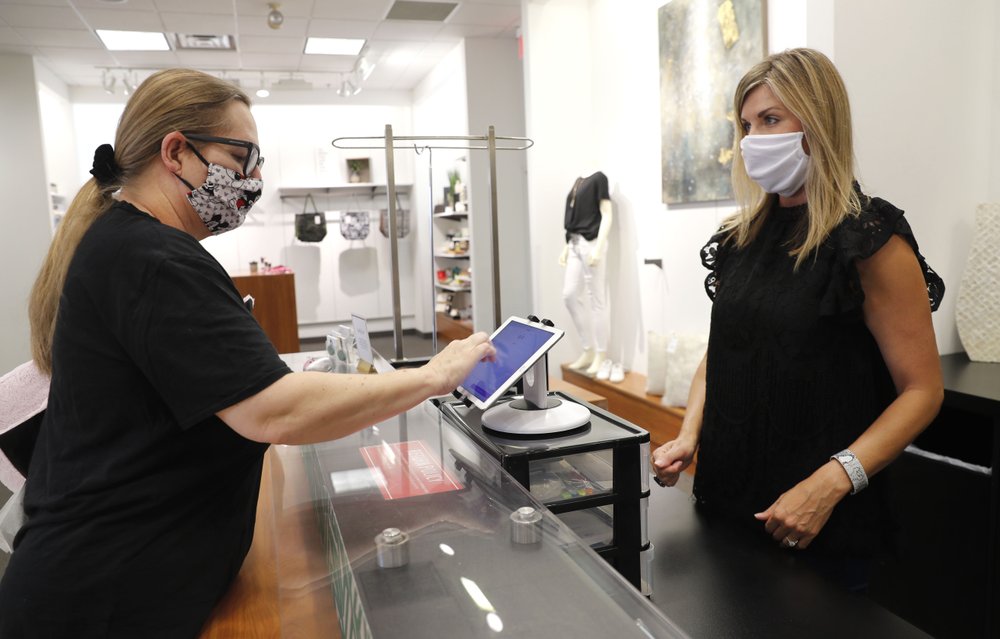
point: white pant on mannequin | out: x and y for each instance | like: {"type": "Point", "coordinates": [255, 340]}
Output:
{"type": "Point", "coordinates": [585, 298]}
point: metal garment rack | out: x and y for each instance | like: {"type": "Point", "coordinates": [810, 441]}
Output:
{"type": "Point", "coordinates": [389, 145]}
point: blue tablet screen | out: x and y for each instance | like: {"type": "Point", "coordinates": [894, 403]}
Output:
{"type": "Point", "coordinates": [515, 345]}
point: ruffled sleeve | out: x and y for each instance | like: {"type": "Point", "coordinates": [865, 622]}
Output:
{"type": "Point", "coordinates": [860, 237]}
{"type": "Point", "coordinates": [712, 255]}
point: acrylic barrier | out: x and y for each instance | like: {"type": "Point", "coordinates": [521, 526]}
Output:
{"type": "Point", "coordinates": [409, 529]}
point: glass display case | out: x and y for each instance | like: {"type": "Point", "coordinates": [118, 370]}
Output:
{"type": "Point", "coordinates": [595, 478]}
{"type": "Point", "coordinates": [417, 531]}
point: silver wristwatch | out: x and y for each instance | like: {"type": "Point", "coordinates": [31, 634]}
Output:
{"type": "Point", "coordinates": [855, 471]}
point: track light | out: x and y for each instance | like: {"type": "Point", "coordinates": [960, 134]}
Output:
{"type": "Point", "coordinates": [348, 88]}
{"type": "Point", "coordinates": [262, 92]}
{"type": "Point", "coordinates": [108, 82]}
{"type": "Point", "coordinates": [363, 68]}
{"type": "Point", "coordinates": [275, 18]}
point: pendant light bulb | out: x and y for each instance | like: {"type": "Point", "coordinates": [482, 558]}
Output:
{"type": "Point", "coordinates": [275, 18]}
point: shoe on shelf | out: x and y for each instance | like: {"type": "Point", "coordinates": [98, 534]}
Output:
{"type": "Point", "coordinates": [617, 373]}
{"type": "Point", "coordinates": [604, 372]}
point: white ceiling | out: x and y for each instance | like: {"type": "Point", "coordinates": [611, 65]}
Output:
{"type": "Point", "coordinates": [61, 34]}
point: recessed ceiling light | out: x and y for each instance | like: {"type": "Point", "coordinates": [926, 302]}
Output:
{"type": "Point", "coordinates": [133, 40]}
{"type": "Point", "coordinates": [334, 46]}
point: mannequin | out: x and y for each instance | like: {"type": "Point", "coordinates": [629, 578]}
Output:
{"type": "Point", "coordinates": [588, 222]}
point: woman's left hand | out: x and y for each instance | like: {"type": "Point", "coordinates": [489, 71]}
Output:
{"type": "Point", "coordinates": [799, 514]}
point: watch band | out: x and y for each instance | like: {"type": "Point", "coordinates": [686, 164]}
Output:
{"type": "Point", "coordinates": [855, 471]}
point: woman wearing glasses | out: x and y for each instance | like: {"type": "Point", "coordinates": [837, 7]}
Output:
{"type": "Point", "coordinates": [165, 392]}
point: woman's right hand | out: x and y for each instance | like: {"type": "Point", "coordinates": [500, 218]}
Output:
{"type": "Point", "coordinates": [670, 460]}
{"type": "Point", "coordinates": [454, 363]}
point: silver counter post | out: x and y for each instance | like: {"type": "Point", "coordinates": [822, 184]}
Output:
{"type": "Point", "coordinates": [392, 548]}
{"type": "Point", "coordinates": [390, 176]}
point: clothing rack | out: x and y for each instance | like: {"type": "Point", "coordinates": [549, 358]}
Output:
{"type": "Point", "coordinates": [463, 142]}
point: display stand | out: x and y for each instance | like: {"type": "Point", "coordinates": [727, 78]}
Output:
{"type": "Point", "coordinates": [536, 413]}
{"type": "Point", "coordinates": [417, 143]}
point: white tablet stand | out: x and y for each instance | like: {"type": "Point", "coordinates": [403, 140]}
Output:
{"type": "Point", "coordinates": [536, 413]}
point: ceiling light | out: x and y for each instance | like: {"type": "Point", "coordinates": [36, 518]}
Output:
{"type": "Point", "coordinates": [334, 46]}
{"type": "Point", "coordinates": [133, 40]}
{"type": "Point", "coordinates": [275, 18]}
{"type": "Point", "coordinates": [262, 92]}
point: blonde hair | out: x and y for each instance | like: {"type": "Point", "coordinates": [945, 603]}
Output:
{"type": "Point", "coordinates": [170, 100]}
{"type": "Point", "coordinates": [808, 85]}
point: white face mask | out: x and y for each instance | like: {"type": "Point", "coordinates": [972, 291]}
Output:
{"type": "Point", "coordinates": [776, 162]}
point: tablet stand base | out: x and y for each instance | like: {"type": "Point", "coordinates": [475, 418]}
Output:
{"type": "Point", "coordinates": [536, 413]}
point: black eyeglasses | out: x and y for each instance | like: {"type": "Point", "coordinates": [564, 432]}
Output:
{"type": "Point", "coordinates": [252, 161]}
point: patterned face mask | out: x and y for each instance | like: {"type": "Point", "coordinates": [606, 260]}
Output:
{"type": "Point", "coordinates": [225, 198]}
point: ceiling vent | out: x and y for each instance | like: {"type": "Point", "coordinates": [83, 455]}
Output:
{"type": "Point", "coordinates": [198, 42]}
{"type": "Point", "coordinates": [427, 11]}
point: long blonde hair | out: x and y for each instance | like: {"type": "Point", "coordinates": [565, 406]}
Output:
{"type": "Point", "coordinates": [170, 100]}
{"type": "Point", "coordinates": [809, 86]}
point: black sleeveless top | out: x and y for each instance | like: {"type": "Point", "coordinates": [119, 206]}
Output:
{"type": "Point", "coordinates": [793, 374]}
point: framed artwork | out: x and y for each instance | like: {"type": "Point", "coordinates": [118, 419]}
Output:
{"type": "Point", "coordinates": [705, 48]}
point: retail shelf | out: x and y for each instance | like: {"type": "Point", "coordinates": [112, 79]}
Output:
{"type": "Point", "coordinates": [451, 216]}
{"type": "Point", "coordinates": [448, 287]}
{"type": "Point", "coordinates": [453, 256]}
{"type": "Point", "coordinates": [359, 188]}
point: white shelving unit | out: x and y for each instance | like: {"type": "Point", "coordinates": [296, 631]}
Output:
{"type": "Point", "coordinates": [452, 278]}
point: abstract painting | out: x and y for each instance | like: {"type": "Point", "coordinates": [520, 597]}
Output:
{"type": "Point", "coordinates": [705, 48]}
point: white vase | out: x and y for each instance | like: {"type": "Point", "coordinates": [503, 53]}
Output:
{"type": "Point", "coordinates": [977, 311]}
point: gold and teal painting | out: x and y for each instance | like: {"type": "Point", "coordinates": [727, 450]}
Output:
{"type": "Point", "coordinates": [705, 48]}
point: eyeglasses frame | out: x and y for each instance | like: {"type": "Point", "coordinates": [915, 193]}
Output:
{"type": "Point", "coordinates": [243, 144]}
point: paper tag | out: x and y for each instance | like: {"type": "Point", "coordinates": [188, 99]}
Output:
{"type": "Point", "coordinates": [361, 340]}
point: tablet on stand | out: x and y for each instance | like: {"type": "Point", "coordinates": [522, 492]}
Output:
{"type": "Point", "coordinates": [521, 345]}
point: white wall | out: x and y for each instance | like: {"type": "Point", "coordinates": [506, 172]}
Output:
{"type": "Point", "coordinates": [592, 83]}
{"type": "Point", "coordinates": [24, 215]}
{"type": "Point", "coordinates": [495, 81]}
{"type": "Point", "coordinates": [923, 96]}
{"type": "Point", "coordinates": [58, 138]}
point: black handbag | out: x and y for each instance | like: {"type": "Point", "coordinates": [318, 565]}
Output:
{"type": "Point", "coordinates": [310, 226]}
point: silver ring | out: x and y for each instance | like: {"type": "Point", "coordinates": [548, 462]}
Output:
{"type": "Point", "coordinates": [791, 543]}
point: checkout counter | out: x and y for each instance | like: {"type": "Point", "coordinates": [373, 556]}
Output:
{"type": "Point", "coordinates": [410, 528]}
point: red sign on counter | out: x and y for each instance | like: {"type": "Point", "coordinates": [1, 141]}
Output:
{"type": "Point", "coordinates": [407, 469]}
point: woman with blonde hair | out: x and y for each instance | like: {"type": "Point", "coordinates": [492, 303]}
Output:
{"type": "Point", "coordinates": [165, 392]}
{"type": "Point", "coordinates": [822, 364]}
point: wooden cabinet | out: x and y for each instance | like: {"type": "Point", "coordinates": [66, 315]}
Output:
{"type": "Point", "coordinates": [274, 307]}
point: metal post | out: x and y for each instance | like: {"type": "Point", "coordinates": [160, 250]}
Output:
{"type": "Point", "coordinates": [390, 176]}
{"type": "Point", "coordinates": [492, 146]}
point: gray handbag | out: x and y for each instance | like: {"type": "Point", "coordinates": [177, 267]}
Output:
{"type": "Point", "coordinates": [354, 225]}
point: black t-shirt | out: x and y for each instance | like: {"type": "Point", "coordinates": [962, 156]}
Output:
{"type": "Point", "coordinates": [583, 206]}
{"type": "Point", "coordinates": [793, 373]}
{"type": "Point", "coordinates": [140, 501]}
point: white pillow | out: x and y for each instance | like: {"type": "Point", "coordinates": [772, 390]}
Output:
{"type": "Point", "coordinates": [684, 353]}
{"type": "Point", "coordinates": [656, 362]}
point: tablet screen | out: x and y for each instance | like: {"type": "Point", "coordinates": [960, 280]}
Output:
{"type": "Point", "coordinates": [519, 344]}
